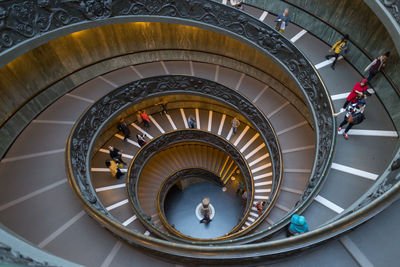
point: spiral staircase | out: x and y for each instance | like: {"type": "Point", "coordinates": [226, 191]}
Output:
{"type": "Point", "coordinates": [286, 151]}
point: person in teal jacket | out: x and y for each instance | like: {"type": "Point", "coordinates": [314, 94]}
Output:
{"type": "Point", "coordinates": [298, 225]}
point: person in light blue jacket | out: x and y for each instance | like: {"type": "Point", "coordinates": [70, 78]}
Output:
{"type": "Point", "coordinates": [282, 21]}
{"type": "Point", "coordinates": [298, 225]}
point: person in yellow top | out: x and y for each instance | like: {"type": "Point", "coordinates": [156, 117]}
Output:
{"type": "Point", "coordinates": [339, 48]}
{"type": "Point", "coordinates": [114, 168]}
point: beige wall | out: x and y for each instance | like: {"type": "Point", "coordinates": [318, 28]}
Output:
{"type": "Point", "coordinates": [39, 68]}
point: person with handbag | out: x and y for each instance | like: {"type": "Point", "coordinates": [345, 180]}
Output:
{"type": "Point", "coordinates": [141, 140]}
{"type": "Point", "coordinates": [376, 65]}
{"type": "Point", "coordinates": [282, 21]}
{"type": "Point", "coordinates": [353, 116]}
{"type": "Point", "coordinates": [116, 155]}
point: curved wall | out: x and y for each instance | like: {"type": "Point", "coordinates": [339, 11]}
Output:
{"type": "Point", "coordinates": [28, 74]}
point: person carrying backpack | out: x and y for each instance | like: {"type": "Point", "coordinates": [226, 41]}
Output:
{"type": "Point", "coordinates": [298, 225]}
{"type": "Point", "coordinates": [354, 116]}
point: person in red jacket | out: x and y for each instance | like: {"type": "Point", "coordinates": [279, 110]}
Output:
{"type": "Point", "coordinates": [145, 119]}
{"type": "Point", "coordinates": [358, 90]}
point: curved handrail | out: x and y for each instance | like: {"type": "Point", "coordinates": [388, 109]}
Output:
{"type": "Point", "coordinates": [251, 252]}
{"type": "Point", "coordinates": [363, 51]}
{"type": "Point", "coordinates": [175, 177]}
{"type": "Point", "coordinates": [188, 172]}
{"type": "Point", "coordinates": [254, 33]}
{"type": "Point", "coordinates": [173, 138]}
{"type": "Point", "coordinates": [91, 123]}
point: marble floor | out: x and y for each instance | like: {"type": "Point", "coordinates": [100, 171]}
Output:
{"type": "Point", "coordinates": [180, 210]}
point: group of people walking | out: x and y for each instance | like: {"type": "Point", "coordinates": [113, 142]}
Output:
{"type": "Point", "coordinates": [355, 103]}
{"type": "Point", "coordinates": [354, 107]}
{"type": "Point", "coordinates": [142, 117]}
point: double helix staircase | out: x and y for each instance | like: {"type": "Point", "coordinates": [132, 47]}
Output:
{"type": "Point", "coordinates": [38, 192]}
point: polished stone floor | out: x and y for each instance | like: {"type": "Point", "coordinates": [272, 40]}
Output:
{"type": "Point", "coordinates": [180, 210]}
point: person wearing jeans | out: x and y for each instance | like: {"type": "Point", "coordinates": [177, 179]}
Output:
{"type": "Point", "coordinates": [235, 125]}
{"type": "Point", "coordinates": [282, 21]}
{"type": "Point", "coordinates": [353, 116]}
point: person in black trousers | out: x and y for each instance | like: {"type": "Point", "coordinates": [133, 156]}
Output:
{"type": "Point", "coordinates": [116, 155]}
{"type": "Point", "coordinates": [338, 49]}
{"type": "Point", "coordinates": [353, 116]}
{"type": "Point", "coordinates": [163, 105]}
{"type": "Point", "coordinates": [123, 127]}
{"type": "Point", "coordinates": [206, 218]}
{"type": "Point", "coordinates": [141, 140]}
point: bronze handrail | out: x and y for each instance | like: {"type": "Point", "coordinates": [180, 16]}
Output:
{"type": "Point", "coordinates": [173, 138]}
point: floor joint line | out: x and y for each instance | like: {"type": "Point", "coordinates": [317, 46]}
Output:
{"type": "Point", "coordinates": [260, 93]}
{"type": "Point", "coordinates": [60, 230]}
{"type": "Point", "coordinates": [136, 71]}
{"type": "Point", "coordinates": [108, 81]}
{"type": "Point", "coordinates": [32, 194]}
{"type": "Point", "coordinates": [80, 98]}
{"type": "Point", "coordinates": [33, 155]}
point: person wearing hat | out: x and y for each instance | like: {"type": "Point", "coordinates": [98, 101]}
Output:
{"type": "Point", "coordinates": [354, 115]}
{"type": "Point", "coordinates": [339, 48]}
{"type": "Point", "coordinates": [298, 225]}
{"type": "Point", "coordinates": [357, 92]}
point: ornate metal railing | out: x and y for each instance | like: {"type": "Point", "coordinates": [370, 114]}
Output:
{"type": "Point", "coordinates": [168, 140]}
{"type": "Point", "coordinates": [201, 13]}
{"type": "Point", "coordinates": [393, 6]}
{"type": "Point", "coordinates": [213, 16]}
{"type": "Point", "coordinates": [90, 125]}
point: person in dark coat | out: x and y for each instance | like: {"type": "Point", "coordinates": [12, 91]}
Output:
{"type": "Point", "coordinates": [163, 105]}
{"type": "Point", "coordinates": [141, 140]}
{"type": "Point", "coordinates": [191, 122]}
{"type": "Point", "coordinates": [116, 154]}
{"type": "Point", "coordinates": [354, 115]}
{"type": "Point", "coordinates": [206, 218]}
{"type": "Point", "coordinates": [123, 127]}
